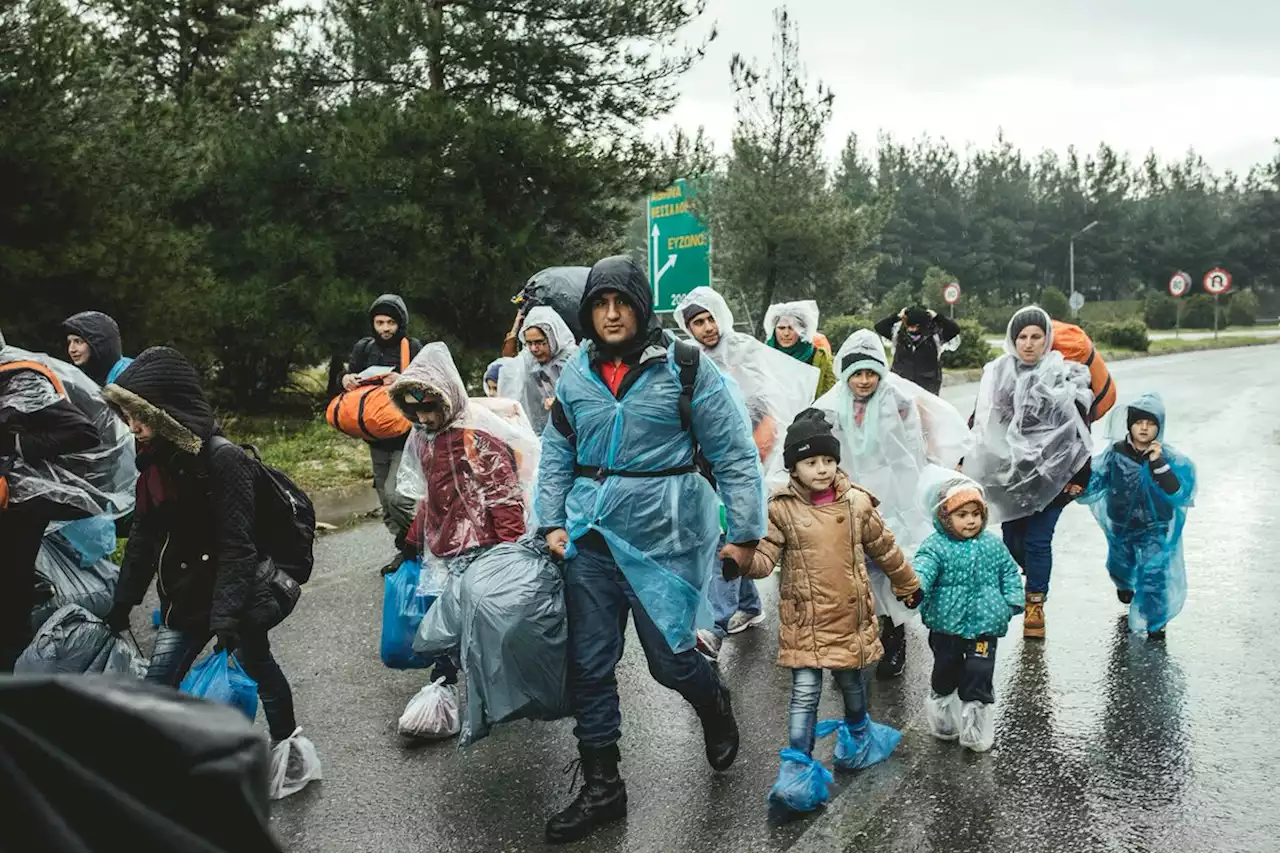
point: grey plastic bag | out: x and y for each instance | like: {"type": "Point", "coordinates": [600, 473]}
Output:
{"type": "Point", "coordinates": [559, 288]}
{"type": "Point", "coordinates": [440, 630]}
{"type": "Point", "coordinates": [515, 638]}
{"type": "Point", "coordinates": [65, 581]}
{"type": "Point", "coordinates": [73, 641]}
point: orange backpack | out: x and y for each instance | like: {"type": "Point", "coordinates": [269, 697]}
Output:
{"type": "Point", "coordinates": [1075, 345]}
{"type": "Point", "coordinates": [367, 412]}
{"type": "Point", "coordinates": [13, 367]}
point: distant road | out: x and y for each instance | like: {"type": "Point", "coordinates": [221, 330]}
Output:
{"type": "Point", "coordinates": [1256, 332]}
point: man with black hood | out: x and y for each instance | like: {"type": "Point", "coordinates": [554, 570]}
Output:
{"type": "Point", "coordinates": [390, 319]}
{"type": "Point", "coordinates": [622, 498]}
{"type": "Point", "coordinates": [93, 344]}
{"type": "Point", "coordinates": [38, 424]}
{"type": "Point", "coordinates": [918, 335]}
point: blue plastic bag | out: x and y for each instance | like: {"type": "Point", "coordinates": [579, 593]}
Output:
{"type": "Point", "coordinates": [861, 745]}
{"type": "Point", "coordinates": [219, 678]}
{"type": "Point", "coordinates": [402, 612]}
{"type": "Point", "coordinates": [802, 783]}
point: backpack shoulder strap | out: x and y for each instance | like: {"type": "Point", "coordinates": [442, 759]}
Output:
{"type": "Point", "coordinates": [404, 353]}
{"type": "Point", "coordinates": [687, 357]}
{"type": "Point", "coordinates": [560, 420]}
{"type": "Point", "coordinates": [36, 367]}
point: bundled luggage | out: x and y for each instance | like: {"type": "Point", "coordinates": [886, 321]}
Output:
{"type": "Point", "coordinates": [366, 411]}
{"type": "Point", "coordinates": [73, 641]}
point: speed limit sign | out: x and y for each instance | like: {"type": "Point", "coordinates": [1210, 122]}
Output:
{"type": "Point", "coordinates": [951, 293]}
{"type": "Point", "coordinates": [1217, 281]}
{"type": "Point", "coordinates": [1179, 284]}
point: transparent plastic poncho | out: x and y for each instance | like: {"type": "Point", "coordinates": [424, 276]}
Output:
{"type": "Point", "coordinates": [502, 365]}
{"type": "Point", "coordinates": [1143, 522]}
{"type": "Point", "coordinates": [774, 386]}
{"type": "Point", "coordinates": [1029, 437]}
{"type": "Point", "coordinates": [803, 315]}
{"type": "Point", "coordinates": [663, 531]}
{"type": "Point", "coordinates": [532, 384]}
{"type": "Point", "coordinates": [93, 487]}
{"type": "Point", "coordinates": [472, 480]}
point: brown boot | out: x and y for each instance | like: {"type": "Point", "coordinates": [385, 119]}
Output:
{"type": "Point", "coordinates": [1033, 616]}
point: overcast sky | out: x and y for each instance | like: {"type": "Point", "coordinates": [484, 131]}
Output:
{"type": "Point", "coordinates": [1139, 74]}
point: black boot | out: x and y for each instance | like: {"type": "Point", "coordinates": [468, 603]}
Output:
{"type": "Point", "coordinates": [894, 639]}
{"type": "Point", "coordinates": [1125, 596]}
{"type": "Point", "coordinates": [720, 731]}
{"type": "Point", "coordinates": [601, 800]}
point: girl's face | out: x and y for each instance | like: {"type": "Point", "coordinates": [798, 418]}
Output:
{"type": "Point", "coordinates": [1030, 344]}
{"type": "Point", "coordinates": [141, 431]}
{"type": "Point", "coordinates": [863, 383]}
{"type": "Point", "coordinates": [966, 521]}
{"type": "Point", "coordinates": [785, 335]}
{"type": "Point", "coordinates": [816, 473]}
{"type": "Point", "coordinates": [78, 350]}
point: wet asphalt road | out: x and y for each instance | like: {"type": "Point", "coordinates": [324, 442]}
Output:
{"type": "Point", "coordinates": [1105, 741]}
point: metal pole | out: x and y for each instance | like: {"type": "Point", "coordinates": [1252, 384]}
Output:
{"type": "Point", "coordinates": [1071, 265]}
{"type": "Point", "coordinates": [1177, 318]}
{"type": "Point", "coordinates": [953, 310]}
{"type": "Point", "coordinates": [1215, 316]}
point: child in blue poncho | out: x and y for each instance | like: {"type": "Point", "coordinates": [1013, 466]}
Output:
{"type": "Point", "coordinates": [1139, 492]}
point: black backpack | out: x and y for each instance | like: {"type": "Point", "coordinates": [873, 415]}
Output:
{"type": "Point", "coordinates": [284, 528]}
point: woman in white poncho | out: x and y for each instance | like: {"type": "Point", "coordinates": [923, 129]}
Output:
{"type": "Point", "coordinates": [531, 379]}
{"type": "Point", "coordinates": [890, 429]}
{"type": "Point", "coordinates": [1031, 447]}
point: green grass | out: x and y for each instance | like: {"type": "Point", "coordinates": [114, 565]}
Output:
{"type": "Point", "coordinates": [1112, 312]}
{"type": "Point", "coordinates": [1170, 346]}
{"type": "Point", "coordinates": [310, 451]}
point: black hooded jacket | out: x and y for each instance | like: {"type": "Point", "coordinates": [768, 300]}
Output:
{"type": "Point", "coordinates": [919, 360]}
{"type": "Point", "coordinates": [196, 501]}
{"type": "Point", "coordinates": [102, 334]}
{"type": "Point", "coordinates": [375, 352]}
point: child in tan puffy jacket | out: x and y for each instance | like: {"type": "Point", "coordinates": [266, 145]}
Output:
{"type": "Point", "coordinates": [823, 528]}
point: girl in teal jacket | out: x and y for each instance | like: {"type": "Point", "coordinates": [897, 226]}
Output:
{"type": "Point", "coordinates": [972, 588]}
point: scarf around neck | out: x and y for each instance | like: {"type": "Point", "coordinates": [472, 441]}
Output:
{"type": "Point", "coordinates": [801, 350]}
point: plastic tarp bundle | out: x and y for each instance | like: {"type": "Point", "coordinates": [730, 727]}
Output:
{"type": "Point", "coordinates": [294, 765]}
{"type": "Point", "coordinates": [943, 715]}
{"type": "Point", "coordinates": [531, 383]}
{"type": "Point", "coordinates": [860, 745]}
{"type": "Point", "coordinates": [95, 482]}
{"type": "Point", "coordinates": [515, 638]}
{"type": "Point", "coordinates": [475, 473]}
{"type": "Point", "coordinates": [404, 604]}
{"type": "Point", "coordinates": [558, 288]}
{"type": "Point", "coordinates": [662, 531]}
{"type": "Point", "coordinates": [440, 631]}
{"type": "Point", "coordinates": [139, 767]}
{"type": "Point", "coordinates": [774, 386]}
{"type": "Point", "coordinates": [219, 678]}
{"type": "Point", "coordinates": [803, 315]}
{"type": "Point", "coordinates": [58, 566]}
{"type": "Point", "coordinates": [803, 784]}
{"type": "Point", "coordinates": [1029, 438]}
{"type": "Point", "coordinates": [432, 713]}
{"type": "Point", "coordinates": [74, 642]}
{"type": "Point", "coordinates": [1143, 522]}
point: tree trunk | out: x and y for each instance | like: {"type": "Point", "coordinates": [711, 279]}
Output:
{"type": "Point", "coordinates": [435, 44]}
{"type": "Point", "coordinates": [770, 280]}
{"type": "Point", "coordinates": [334, 386]}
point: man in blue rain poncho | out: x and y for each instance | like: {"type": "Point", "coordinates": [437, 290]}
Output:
{"type": "Point", "coordinates": [621, 498]}
{"type": "Point", "coordinates": [1139, 491]}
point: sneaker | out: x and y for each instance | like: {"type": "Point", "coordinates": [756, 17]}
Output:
{"type": "Point", "coordinates": [1125, 596]}
{"type": "Point", "coordinates": [742, 620]}
{"type": "Point", "coordinates": [709, 644]}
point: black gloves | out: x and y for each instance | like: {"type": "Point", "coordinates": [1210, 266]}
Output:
{"type": "Point", "coordinates": [913, 600]}
{"type": "Point", "coordinates": [8, 441]}
{"type": "Point", "coordinates": [228, 641]}
{"type": "Point", "coordinates": [729, 569]}
{"type": "Point", "coordinates": [118, 617]}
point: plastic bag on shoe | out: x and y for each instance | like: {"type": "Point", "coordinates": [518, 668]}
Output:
{"type": "Point", "coordinates": [433, 713]}
{"type": "Point", "coordinates": [403, 608]}
{"type": "Point", "coordinates": [977, 726]}
{"type": "Point", "coordinates": [943, 714]}
{"type": "Point", "coordinates": [294, 765]}
{"type": "Point", "coordinates": [219, 678]}
{"type": "Point", "coordinates": [861, 745]}
{"type": "Point", "coordinates": [802, 784]}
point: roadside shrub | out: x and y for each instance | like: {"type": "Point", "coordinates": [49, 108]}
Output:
{"type": "Point", "coordinates": [1160, 311]}
{"type": "Point", "coordinates": [840, 327]}
{"type": "Point", "coordinates": [1197, 311]}
{"type": "Point", "coordinates": [1131, 335]}
{"type": "Point", "coordinates": [974, 350]}
{"type": "Point", "coordinates": [1242, 310]}
{"type": "Point", "coordinates": [1055, 302]}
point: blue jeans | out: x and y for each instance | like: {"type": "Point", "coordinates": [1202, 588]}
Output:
{"type": "Point", "coordinates": [1030, 541]}
{"type": "Point", "coordinates": [806, 691]}
{"type": "Point", "coordinates": [598, 598]}
{"type": "Point", "coordinates": [728, 597]}
{"type": "Point", "coordinates": [175, 651]}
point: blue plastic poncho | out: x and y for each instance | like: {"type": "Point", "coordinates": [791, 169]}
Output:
{"type": "Point", "coordinates": [1142, 511]}
{"type": "Point", "coordinates": [663, 531]}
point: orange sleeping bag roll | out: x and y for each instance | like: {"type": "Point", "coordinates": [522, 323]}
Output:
{"type": "Point", "coordinates": [1075, 345]}
{"type": "Point", "coordinates": [367, 412]}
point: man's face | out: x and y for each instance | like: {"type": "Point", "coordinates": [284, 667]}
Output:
{"type": "Point", "coordinates": [385, 327]}
{"type": "Point", "coordinates": [430, 412]}
{"type": "Point", "coordinates": [78, 350]}
{"type": "Point", "coordinates": [539, 346]}
{"type": "Point", "coordinates": [785, 334]}
{"type": "Point", "coordinates": [705, 330]}
{"type": "Point", "coordinates": [614, 319]}
{"type": "Point", "coordinates": [1144, 432]}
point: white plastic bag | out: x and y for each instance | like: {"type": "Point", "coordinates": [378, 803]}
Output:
{"type": "Point", "coordinates": [943, 714]}
{"type": "Point", "coordinates": [433, 713]}
{"type": "Point", "coordinates": [977, 726]}
{"type": "Point", "coordinates": [294, 764]}
{"type": "Point", "coordinates": [126, 658]}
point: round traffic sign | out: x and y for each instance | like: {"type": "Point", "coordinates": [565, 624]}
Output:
{"type": "Point", "coordinates": [1179, 284]}
{"type": "Point", "coordinates": [951, 293]}
{"type": "Point", "coordinates": [1217, 281]}
{"type": "Point", "coordinates": [1076, 301]}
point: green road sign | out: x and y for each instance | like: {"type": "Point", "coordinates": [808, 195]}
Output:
{"type": "Point", "coordinates": [679, 247]}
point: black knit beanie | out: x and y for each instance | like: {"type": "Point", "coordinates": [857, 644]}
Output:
{"type": "Point", "coordinates": [809, 435]}
{"type": "Point", "coordinates": [917, 315]}
{"type": "Point", "coordinates": [1135, 414]}
{"type": "Point", "coordinates": [692, 310]}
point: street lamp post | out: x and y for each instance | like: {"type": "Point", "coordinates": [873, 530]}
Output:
{"type": "Point", "coordinates": [1071, 256]}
